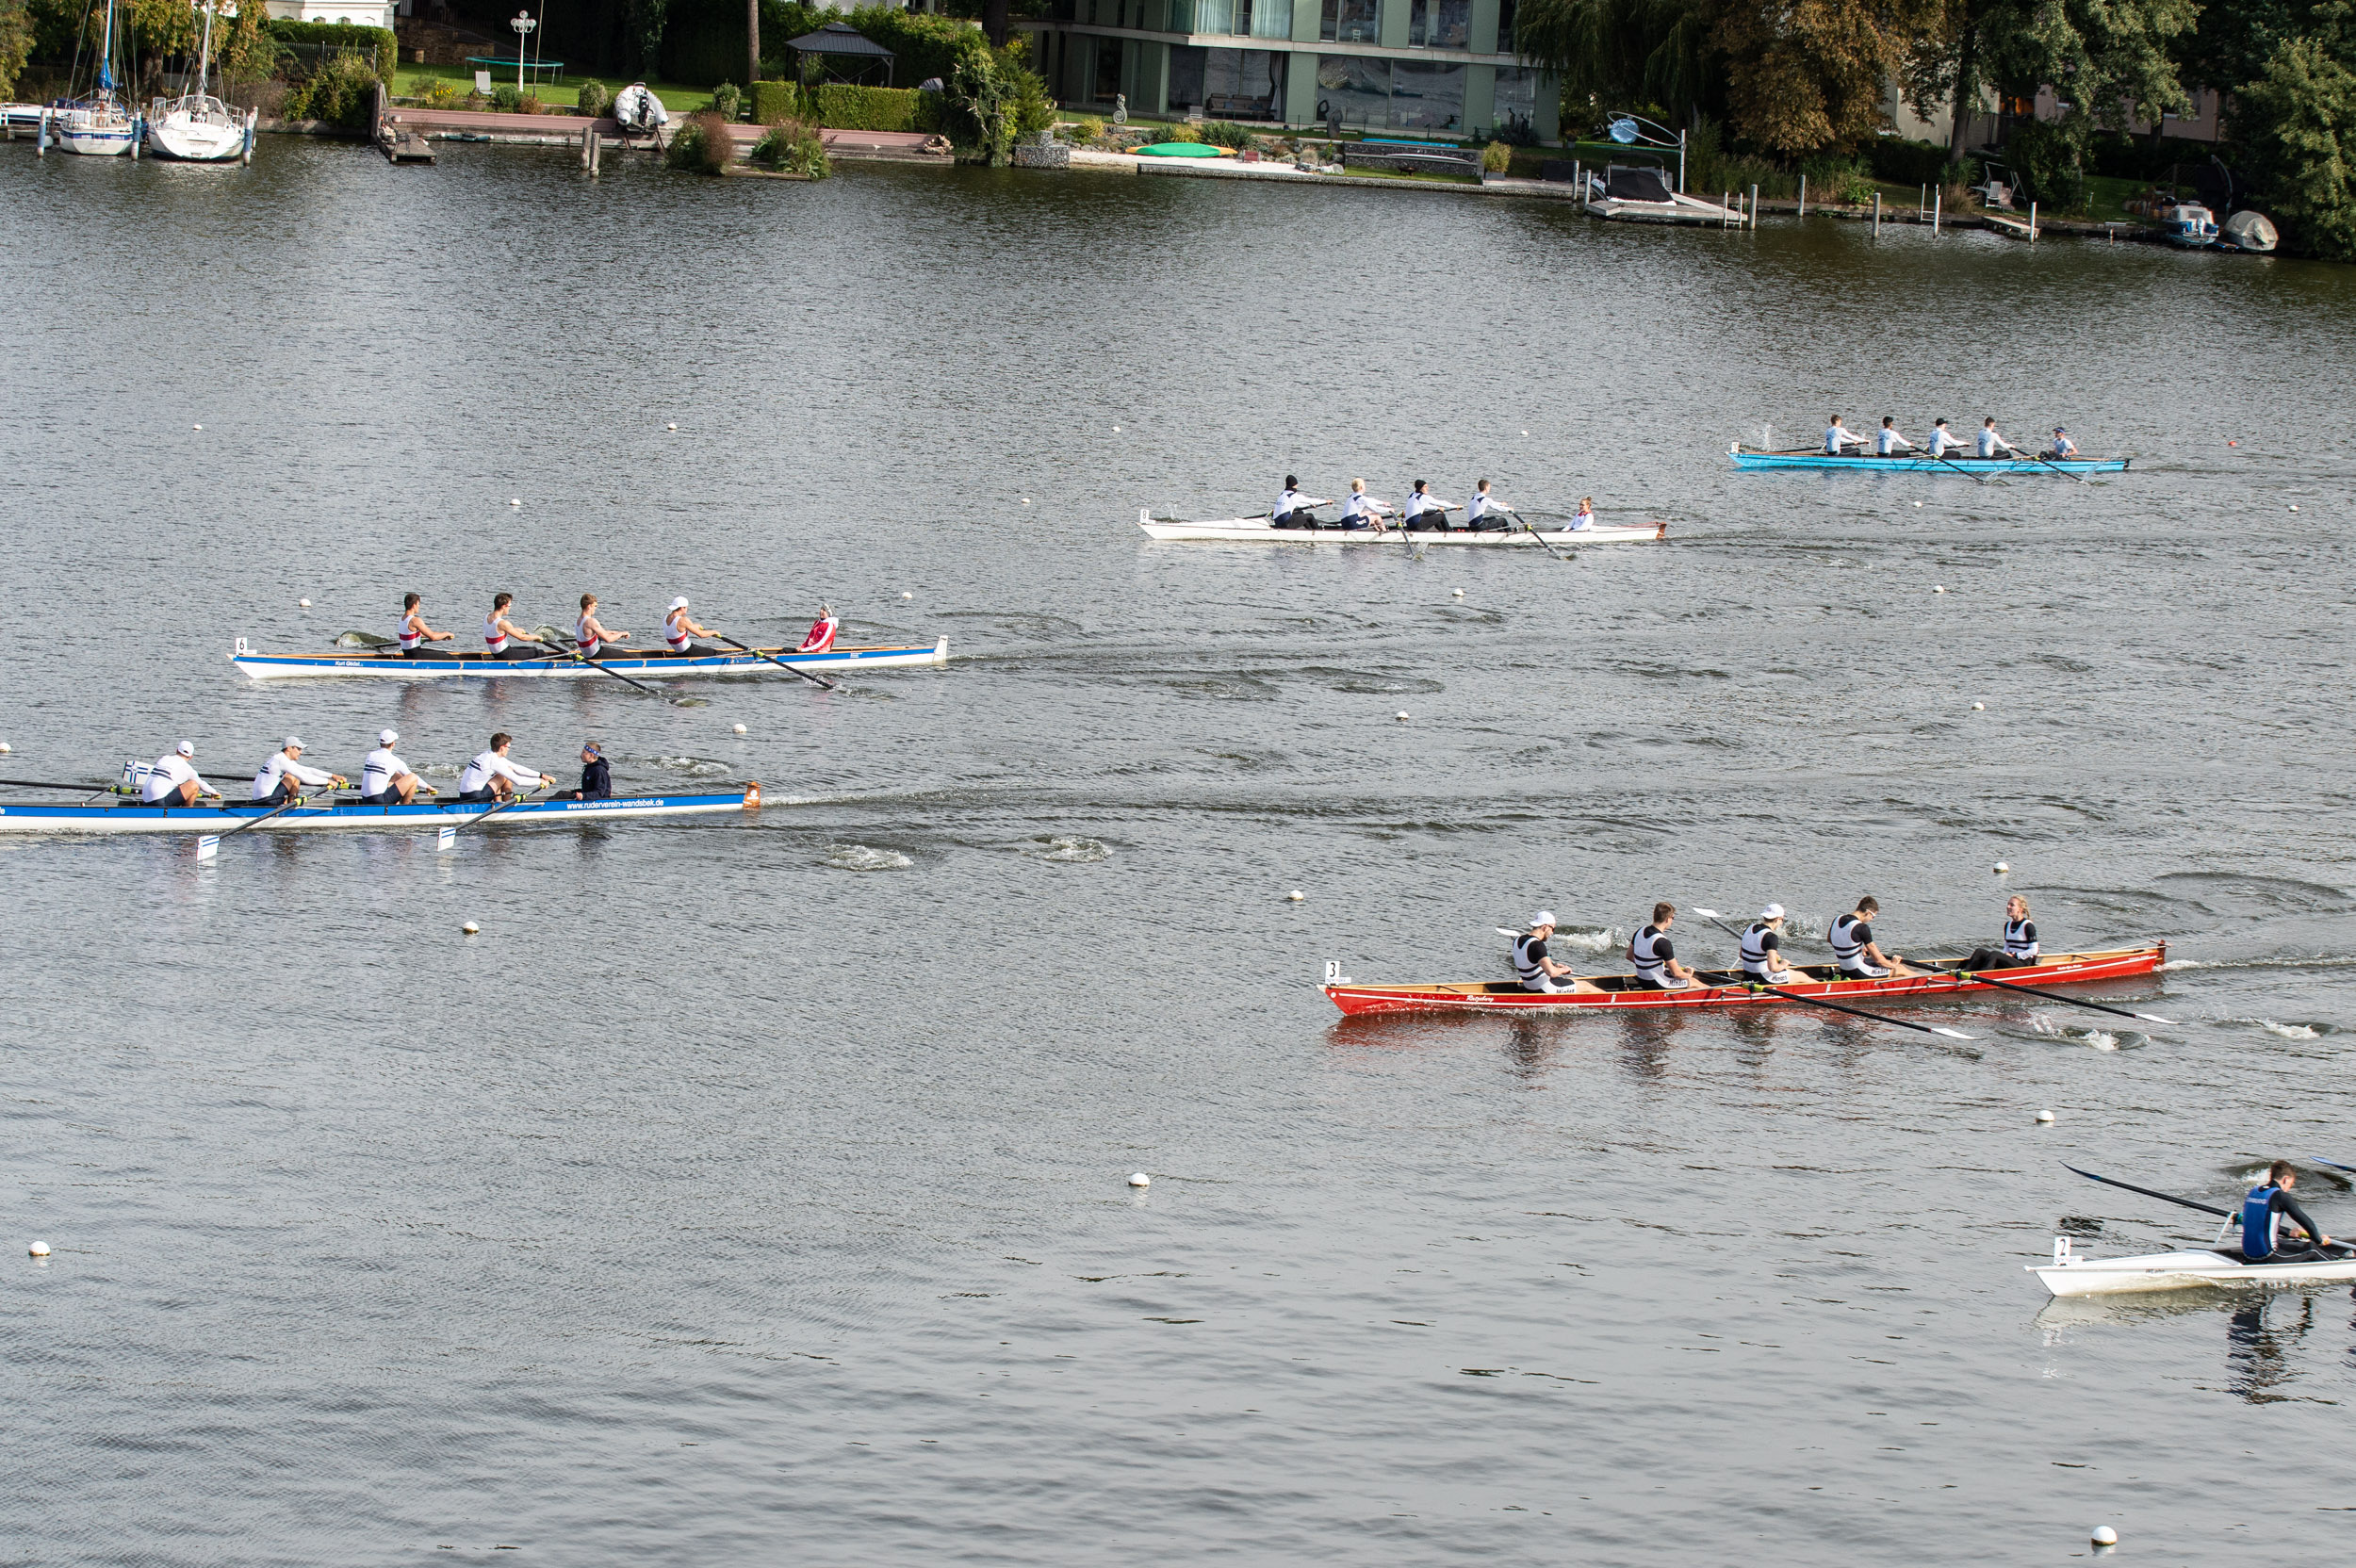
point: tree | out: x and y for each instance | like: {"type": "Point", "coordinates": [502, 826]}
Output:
{"type": "Point", "coordinates": [1623, 52]}
{"type": "Point", "coordinates": [2299, 119]}
{"type": "Point", "coordinates": [1807, 75]}
{"type": "Point", "coordinates": [16, 43]}
{"type": "Point", "coordinates": [2108, 61]}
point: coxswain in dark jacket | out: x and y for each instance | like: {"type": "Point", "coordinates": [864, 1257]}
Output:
{"type": "Point", "coordinates": [597, 779]}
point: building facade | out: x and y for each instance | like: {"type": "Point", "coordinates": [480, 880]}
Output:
{"type": "Point", "coordinates": [1423, 68]}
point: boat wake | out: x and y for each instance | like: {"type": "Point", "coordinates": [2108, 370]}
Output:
{"type": "Point", "coordinates": [865, 857]}
{"type": "Point", "coordinates": [1588, 941]}
{"type": "Point", "coordinates": [695, 767]}
{"type": "Point", "coordinates": [1076, 851]}
{"type": "Point", "coordinates": [2288, 1031]}
{"type": "Point", "coordinates": [2099, 1040]}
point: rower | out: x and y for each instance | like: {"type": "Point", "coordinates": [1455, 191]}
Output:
{"type": "Point", "coordinates": [1943, 440]}
{"type": "Point", "coordinates": [2063, 448]}
{"type": "Point", "coordinates": [597, 779]}
{"type": "Point", "coordinates": [491, 776]}
{"type": "Point", "coordinates": [1426, 512]}
{"type": "Point", "coordinates": [1838, 436]}
{"type": "Point", "coordinates": [1537, 971]}
{"type": "Point", "coordinates": [1853, 948]}
{"type": "Point", "coordinates": [2020, 949]}
{"type": "Point", "coordinates": [1762, 948]}
{"type": "Point", "coordinates": [173, 779]}
{"type": "Point", "coordinates": [1484, 512]}
{"type": "Point", "coordinates": [1359, 510]}
{"type": "Point", "coordinates": [2262, 1214]}
{"type": "Point", "coordinates": [1655, 960]}
{"type": "Point", "coordinates": [1293, 509]}
{"type": "Point", "coordinates": [680, 630]}
{"type": "Point", "coordinates": [821, 634]}
{"type": "Point", "coordinates": [588, 635]}
{"type": "Point", "coordinates": [498, 630]}
{"type": "Point", "coordinates": [281, 770]}
{"type": "Point", "coordinates": [385, 778]}
{"type": "Point", "coordinates": [1887, 442]}
{"type": "Point", "coordinates": [1990, 444]}
{"type": "Point", "coordinates": [412, 633]}
{"type": "Point", "coordinates": [1585, 517]}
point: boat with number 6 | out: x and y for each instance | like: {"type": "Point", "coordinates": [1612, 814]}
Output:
{"type": "Point", "coordinates": [1259, 530]}
{"type": "Point", "coordinates": [135, 817]}
{"type": "Point", "coordinates": [1923, 463]}
{"type": "Point", "coordinates": [2073, 1273]}
{"type": "Point", "coordinates": [391, 664]}
{"type": "Point", "coordinates": [1724, 988]}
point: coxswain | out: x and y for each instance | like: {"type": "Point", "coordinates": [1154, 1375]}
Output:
{"type": "Point", "coordinates": [1538, 972]}
{"type": "Point", "coordinates": [1853, 948]}
{"type": "Point", "coordinates": [1943, 440]}
{"type": "Point", "coordinates": [1990, 444]}
{"type": "Point", "coordinates": [597, 779]}
{"type": "Point", "coordinates": [1762, 948]}
{"type": "Point", "coordinates": [2262, 1214]}
{"type": "Point", "coordinates": [1484, 512]}
{"type": "Point", "coordinates": [492, 776]}
{"type": "Point", "coordinates": [1838, 436]}
{"type": "Point", "coordinates": [680, 630]}
{"type": "Point", "coordinates": [1426, 512]}
{"type": "Point", "coordinates": [282, 770]}
{"type": "Point", "coordinates": [1293, 509]}
{"type": "Point", "coordinates": [498, 630]}
{"type": "Point", "coordinates": [385, 778]}
{"type": "Point", "coordinates": [589, 635]}
{"type": "Point", "coordinates": [1359, 510]}
{"type": "Point", "coordinates": [2063, 447]}
{"type": "Point", "coordinates": [821, 634]}
{"type": "Point", "coordinates": [412, 633]}
{"type": "Point", "coordinates": [1655, 960]}
{"type": "Point", "coordinates": [173, 780]}
{"type": "Point", "coordinates": [2020, 949]}
{"type": "Point", "coordinates": [1886, 441]}
{"type": "Point", "coordinates": [1585, 517]}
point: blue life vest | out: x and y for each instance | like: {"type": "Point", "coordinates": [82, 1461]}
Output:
{"type": "Point", "coordinates": [2257, 1224]}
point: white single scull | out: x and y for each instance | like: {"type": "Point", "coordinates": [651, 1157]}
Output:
{"type": "Point", "coordinates": [2073, 1273]}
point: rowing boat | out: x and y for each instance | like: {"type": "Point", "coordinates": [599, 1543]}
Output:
{"type": "Point", "coordinates": [133, 817]}
{"type": "Point", "coordinates": [1918, 463]}
{"type": "Point", "coordinates": [1721, 987]}
{"type": "Point", "coordinates": [2073, 1273]}
{"type": "Point", "coordinates": [393, 664]}
{"type": "Point", "coordinates": [1259, 530]}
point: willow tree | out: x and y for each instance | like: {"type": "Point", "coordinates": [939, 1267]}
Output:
{"type": "Point", "coordinates": [1808, 74]}
{"type": "Point", "coordinates": [1615, 52]}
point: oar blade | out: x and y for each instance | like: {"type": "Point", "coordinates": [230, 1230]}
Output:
{"type": "Point", "coordinates": [2154, 1018]}
{"type": "Point", "coordinates": [1706, 914]}
{"type": "Point", "coordinates": [446, 837]}
{"type": "Point", "coordinates": [1950, 1034]}
{"type": "Point", "coordinates": [209, 846]}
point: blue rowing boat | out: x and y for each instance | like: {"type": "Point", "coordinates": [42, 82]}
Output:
{"type": "Point", "coordinates": [131, 817]}
{"type": "Point", "coordinates": [1916, 463]}
{"type": "Point", "coordinates": [475, 666]}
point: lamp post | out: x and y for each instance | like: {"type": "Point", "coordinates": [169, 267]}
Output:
{"type": "Point", "coordinates": [1632, 130]}
{"type": "Point", "coordinates": [523, 25]}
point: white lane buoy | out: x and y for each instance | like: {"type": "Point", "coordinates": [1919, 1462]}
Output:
{"type": "Point", "coordinates": [1402, 715]}
{"type": "Point", "coordinates": [1457, 594]}
{"type": "Point", "coordinates": [2294, 506]}
{"type": "Point", "coordinates": [1979, 707]}
{"type": "Point", "coordinates": [517, 501]}
{"type": "Point", "coordinates": [908, 596]}
{"type": "Point", "coordinates": [1939, 589]}
{"type": "Point", "coordinates": [1918, 503]}
{"type": "Point", "coordinates": [3, 748]}
{"type": "Point", "coordinates": [2045, 1115]}
{"type": "Point", "coordinates": [1525, 433]}
{"type": "Point", "coordinates": [1140, 1179]}
{"type": "Point", "coordinates": [39, 1250]}
{"type": "Point", "coordinates": [201, 427]}
{"type": "Point", "coordinates": [1116, 430]}
{"type": "Point", "coordinates": [2105, 1536]}
{"type": "Point", "coordinates": [740, 728]}
{"type": "Point", "coordinates": [1295, 896]}
{"type": "Point", "coordinates": [303, 604]}
{"type": "Point", "coordinates": [2001, 867]}
{"type": "Point", "coordinates": [470, 928]}
{"type": "Point", "coordinates": [671, 427]}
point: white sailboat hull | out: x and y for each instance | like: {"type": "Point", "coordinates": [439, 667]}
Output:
{"type": "Point", "coordinates": [79, 131]}
{"type": "Point", "coordinates": [211, 132]}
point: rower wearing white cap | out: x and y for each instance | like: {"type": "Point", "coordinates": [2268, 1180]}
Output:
{"type": "Point", "coordinates": [173, 779]}
{"type": "Point", "coordinates": [1536, 970]}
{"type": "Point", "coordinates": [281, 770]}
{"type": "Point", "coordinates": [492, 776]}
{"type": "Point", "coordinates": [680, 630]}
{"type": "Point", "coordinates": [385, 778]}
{"type": "Point", "coordinates": [1762, 957]}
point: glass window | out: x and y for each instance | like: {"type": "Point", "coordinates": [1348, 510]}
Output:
{"type": "Point", "coordinates": [1505, 26]}
{"type": "Point", "coordinates": [1272, 18]}
{"type": "Point", "coordinates": [1327, 22]}
{"type": "Point", "coordinates": [1418, 14]}
{"type": "Point", "coordinates": [1427, 97]}
{"type": "Point", "coordinates": [1242, 84]}
{"type": "Point", "coordinates": [1516, 95]}
{"type": "Point", "coordinates": [1451, 24]}
{"type": "Point", "coordinates": [1351, 21]}
{"type": "Point", "coordinates": [1213, 16]}
{"type": "Point", "coordinates": [1352, 90]}
{"type": "Point", "coordinates": [1186, 77]}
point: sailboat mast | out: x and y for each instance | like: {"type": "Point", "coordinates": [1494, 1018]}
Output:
{"type": "Point", "coordinates": [204, 59]}
{"type": "Point", "coordinates": [106, 53]}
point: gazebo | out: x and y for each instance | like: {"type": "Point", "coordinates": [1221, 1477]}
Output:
{"type": "Point", "coordinates": [840, 41]}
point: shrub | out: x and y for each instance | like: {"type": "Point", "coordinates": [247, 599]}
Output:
{"type": "Point", "coordinates": [726, 101]}
{"type": "Point", "coordinates": [1184, 132]}
{"type": "Point", "coordinates": [1087, 128]}
{"type": "Point", "coordinates": [529, 104]}
{"type": "Point", "coordinates": [507, 98]}
{"type": "Point", "coordinates": [775, 103]}
{"type": "Point", "coordinates": [341, 92]}
{"type": "Point", "coordinates": [1497, 157]}
{"type": "Point", "coordinates": [1902, 162]}
{"type": "Point", "coordinates": [717, 146]}
{"type": "Point", "coordinates": [2045, 165]}
{"type": "Point", "coordinates": [1220, 133]}
{"type": "Point", "coordinates": [928, 46]}
{"type": "Point", "coordinates": [793, 147]}
{"type": "Point", "coordinates": [440, 93]}
{"type": "Point", "coordinates": [685, 151]}
{"type": "Point", "coordinates": [866, 109]}
{"type": "Point", "coordinates": [594, 98]}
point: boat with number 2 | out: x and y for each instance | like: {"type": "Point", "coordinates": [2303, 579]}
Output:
{"type": "Point", "coordinates": [133, 817]}
{"type": "Point", "coordinates": [1725, 989]}
{"type": "Point", "coordinates": [393, 664]}
{"type": "Point", "coordinates": [1923, 463]}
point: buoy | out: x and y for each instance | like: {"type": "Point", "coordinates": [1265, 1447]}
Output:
{"type": "Point", "coordinates": [516, 502]}
{"type": "Point", "coordinates": [2001, 867]}
{"type": "Point", "coordinates": [1940, 588]}
{"type": "Point", "coordinates": [1402, 715]}
{"type": "Point", "coordinates": [470, 928]}
{"type": "Point", "coordinates": [1525, 433]}
{"type": "Point", "coordinates": [670, 427]}
{"type": "Point", "coordinates": [303, 604]}
{"type": "Point", "coordinates": [1295, 896]}
{"type": "Point", "coordinates": [2045, 1115]}
{"type": "Point", "coordinates": [3, 748]}
{"type": "Point", "coordinates": [740, 730]}
{"type": "Point", "coordinates": [1457, 595]}
{"type": "Point", "coordinates": [1140, 1179]}
{"type": "Point", "coordinates": [2232, 443]}
{"type": "Point", "coordinates": [1116, 430]}
{"type": "Point", "coordinates": [908, 596]}
{"type": "Point", "coordinates": [39, 1250]}
{"type": "Point", "coordinates": [1979, 707]}
{"type": "Point", "coordinates": [2294, 506]}
{"type": "Point", "coordinates": [2105, 1536]}
{"type": "Point", "coordinates": [1918, 503]}
{"type": "Point", "coordinates": [196, 426]}
{"type": "Point", "coordinates": [1027, 500]}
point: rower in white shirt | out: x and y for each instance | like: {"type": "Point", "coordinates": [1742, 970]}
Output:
{"type": "Point", "coordinates": [385, 778]}
{"type": "Point", "coordinates": [173, 780]}
{"type": "Point", "coordinates": [2063, 446]}
{"type": "Point", "coordinates": [275, 781]}
{"type": "Point", "coordinates": [1838, 436]}
{"type": "Point", "coordinates": [412, 633]}
{"type": "Point", "coordinates": [1293, 509]}
{"type": "Point", "coordinates": [1484, 512]}
{"type": "Point", "coordinates": [1585, 517]}
{"type": "Point", "coordinates": [1426, 512]}
{"type": "Point", "coordinates": [1943, 440]}
{"type": "Point", "coordinates": [492, 776]}
{"type": "Point", "coordinates": [1887, 442]}
{"type": "Point", "coordinates": [680, 630]}
{"type": "Point", "coordinates": [588, 634]}
{"type": "Point", "coordinates": [1990, 444]}
{"type": "Point", "coordinates": [1359, 510]}
{"type": "Point", "coordinates": [498, 630]}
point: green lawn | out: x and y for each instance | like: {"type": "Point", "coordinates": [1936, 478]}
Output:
{"type": "Point", "coordinates": [411, 81]}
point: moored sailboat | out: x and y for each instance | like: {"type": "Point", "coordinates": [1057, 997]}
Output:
{"type": "Point", "coordinates": [199, 127]}
{"type": "Point", "coordinates": [99, 123]}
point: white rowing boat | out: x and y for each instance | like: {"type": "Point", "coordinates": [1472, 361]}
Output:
{"type": "Point", "coordinates": [1259, 530]}
{"type": "Point", "coordinates": [2073, 1273]}
{"type": "Point", "coordinates": [433, 664]}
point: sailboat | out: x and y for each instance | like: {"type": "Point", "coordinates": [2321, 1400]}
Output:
{"type": "Point", "coordinates": [98, 124]}
{"type": "Point", "coordinates": [197, 126]}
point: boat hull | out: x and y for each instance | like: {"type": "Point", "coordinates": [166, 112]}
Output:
{"type": "Point", "coordinates": [477, 666]}
{"type": "Point", "coordinates": [1256, 530]}
{"type": "Point", "coordinates": [129, 818]}
{"type": "Point", "coordinates": [1616, 992]}
{"type": "Point", "coordinates": [198, 137]}
{"type": "Point", "coordinates": [2190, 1269]}
{"type": "Point", "coordinates": [96, 141]}
{"type": "Point", "coordinates": [1916, 464]}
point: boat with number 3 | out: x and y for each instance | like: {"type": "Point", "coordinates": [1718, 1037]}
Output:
{"type": "Point", "coordinates": [134, 817]}
{"type": "Point", "coordinates": [388, 663]}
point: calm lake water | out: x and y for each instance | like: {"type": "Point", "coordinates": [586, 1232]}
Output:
{"type": "Point", "coordinates": [753, 1190]}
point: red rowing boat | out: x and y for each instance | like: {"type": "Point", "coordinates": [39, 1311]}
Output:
{"type": "Point", "coordinates": [1727, 989]}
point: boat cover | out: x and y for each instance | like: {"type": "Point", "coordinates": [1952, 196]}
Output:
{"type": "Point", "coordinates": [638, 109]}
{"type": "Point", "coordinates": [2251, 231]}
{"type": "Point", "coordinates": [1637, 185]}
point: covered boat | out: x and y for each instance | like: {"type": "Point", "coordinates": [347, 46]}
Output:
{"type": "Point", "coordinates": [388, 662]}
{"type": "Point", "coordinates": [635, 108]}
{"type": "Point", "coordinates": [1259, 530]}
{"type": "Point", "coordinates": [1724, 988]}
{"type": "Point", "coordinates": [1923, 463]}
{"type": "Point", "coordinates": [1642, 194]}
{"type": "Point", "coordinates": [132, 817]}
{"type": "Point", "coordinates": [2073, 1273]}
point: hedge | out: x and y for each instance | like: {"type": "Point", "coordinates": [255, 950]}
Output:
{"type": "Point", "coordinates": [375, 44]}
{"type": "Point", "coordinates": [775, 103]}
{"type": "Point", "coordinates": [1902, 162]}
{"type": "Point", "coordinates": [841, 106]}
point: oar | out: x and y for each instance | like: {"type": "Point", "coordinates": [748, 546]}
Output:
{"type": "Point", "coordinates": [51, 784]}
{"type": "Point", "coordinates": [1711, 916]}
{"type": "Point", "coordinates": [2163, 1196]}
{"type": "Point", "coordinates": [209, 845]}
{"type": "Point", "coordinates": [1981, 976]}
{"type": "Point", "coordinates": [1941, 457]}
{"type": "Point", "coordinates": [815, 680]}
{"type": "Point", "coordinates": [450, 830]}
{"type": "Point", "coordinates": [1559, 555]}
{"type": "Point", "coordinates": [569, 653]}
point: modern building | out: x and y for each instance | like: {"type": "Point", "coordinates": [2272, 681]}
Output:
{"type": "Point", "coordinates": [1442, 67]}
